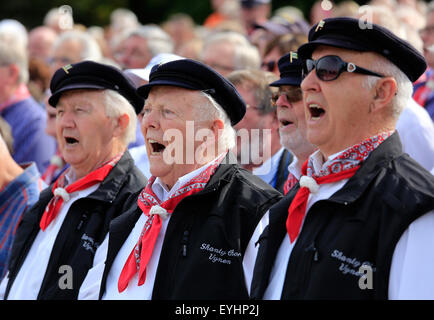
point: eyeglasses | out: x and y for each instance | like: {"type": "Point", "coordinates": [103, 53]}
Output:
{"type": "Point", "coordinates": [329, 68]}
{"type": "Point", "coordinates": [291, 95]}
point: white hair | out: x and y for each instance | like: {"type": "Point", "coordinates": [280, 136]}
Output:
{"type": "Point", "coordinates": [90, 49]}
{"type": "Point", "coordinates": [246, 56]}
{"type": "Point", "coordinates": [116, 106]}
{"type": "Point", "coordinates": [158, 40]}
{"type": "Point", "coordinates": [122, 18]}
{"type": "Point", "coordinates": [60, 17]}
{"type": "Point", "coordinates": [12, 52]}
{"type": "Point", "coordinates": [15, 30]}
{"type": "Point", "coordinates": [213, 111]}
{"type": "Point", "coordinates": [404, 85]}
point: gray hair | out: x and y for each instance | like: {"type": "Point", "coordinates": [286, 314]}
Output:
{"type": "Point", "coordinates": [246, 56]}
{"type": "Point", "coordinates": [61, 17]}
{"type": "Point", "coordinates": [14, 53]}
{"type": "Point", "coordinates": [122, 18]}
{"type": "Point", "coordinates": [116, 106]}
{"type": "Point", "coordinates": [158, 40]}
{"type": "Point", "coordinates": [90, 48]}
{"type": "Point", "coordinates": [404, 85]}
{"type": "Point", "coordinates": [213, 111]}
{"type": "Point", "coordinates": [259, 82]}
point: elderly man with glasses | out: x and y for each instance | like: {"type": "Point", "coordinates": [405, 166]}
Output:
{"type": "Point", "coordinates": [355, 225]}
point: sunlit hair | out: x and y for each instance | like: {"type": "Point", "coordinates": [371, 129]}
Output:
{"type": "Point", "coordinates": [116, 106]}
{"type": "Point", "coordinates": [90, 49]}
{"type": "Point", "coordinates": [14, 53]}
{"type": "Point", "coordinates": [246, 56]}
{"type": "Point", "coordinates": [212, 110]}
{"type": "Point", "coordinates": [404, 85]}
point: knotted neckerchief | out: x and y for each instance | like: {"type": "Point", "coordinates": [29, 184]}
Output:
{"type": "Point", "coordinates": [62, 192]}
{"type": "Point", "coordinates": [155, 211]}
{"type": "Point", "coordinates": [342, 167]}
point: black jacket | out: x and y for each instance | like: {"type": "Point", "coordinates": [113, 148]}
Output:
{"type": "Point", "coordinates": [359, 224]}
{"type": "Point", "coordinates": [282, 170]}
{"type": "Point", "coordinates": [83, 229]}
{"type": "Point", "coordinates": [221, 216]}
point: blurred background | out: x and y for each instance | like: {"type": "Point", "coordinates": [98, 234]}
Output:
{"type": "Point", "coordinates": [97, 12]}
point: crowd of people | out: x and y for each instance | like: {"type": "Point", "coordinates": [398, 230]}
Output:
{"type": "Point", "coordinates": [259, 155]}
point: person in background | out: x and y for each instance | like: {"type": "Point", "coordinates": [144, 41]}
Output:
{"type": "Point", "coordinates": [258, 143]}
{"type": "Point", "coordinates": [229, 51]}
{"type": "Point", "coordinates": [279, 46]}
{"type": "Point", "coordinates": [41, 41]}
{"type": "Point", "coordinates": [290, 114]}
{"type": "Point", "coordinates": [20, 186]}
{"type": "Point", "coordinates": [254, 12]}
{"type": "Point", "coordinates": [72, 47]}
{"type": "Point", "coordinates": [424, 90]}
{"type": "Point", "coordinates": [137, 47]}
{"type": "Point", "coordinates": [57, 162]}
{"type": "Point", "coordinates": [25, 116]}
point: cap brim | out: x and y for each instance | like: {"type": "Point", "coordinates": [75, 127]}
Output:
{"type": "Point", "coordinates": [286, 82]}
{"type": "Point", "coordinates": [144, 90]}
{"type": "Point", "coordinates": [54, 99]}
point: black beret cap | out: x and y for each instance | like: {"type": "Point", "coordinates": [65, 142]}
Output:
{"type": "Point", "coordinates": [355, 34]}
{"type": "Point", "coordinates": [93, 75]}
{"type": "Point", "coordinates": [290, 71]}
{"type": "Point", "coordinates": [194, 75]}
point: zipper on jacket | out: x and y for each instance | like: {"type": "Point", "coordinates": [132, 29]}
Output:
{"type": "Point", "coordinates": [185, 243]}
{"type": "Point", "coordinates": [83, 219]}
{"type": "Point", "coordinates": [312, 255]}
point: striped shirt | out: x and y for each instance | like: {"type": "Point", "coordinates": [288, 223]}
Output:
{"type": "Point", "coordinates": [15, 198]}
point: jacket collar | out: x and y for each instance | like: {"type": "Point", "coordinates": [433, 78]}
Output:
{"type": "Point", "coordinates": [109, 188]}
{"type": "Point", "coordinates": [390, 149]}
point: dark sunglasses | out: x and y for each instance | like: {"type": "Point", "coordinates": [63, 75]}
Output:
{"type": "Point", "coordinates": [329, 68]}
{"type": "Point", "coordinates": [291, 96]}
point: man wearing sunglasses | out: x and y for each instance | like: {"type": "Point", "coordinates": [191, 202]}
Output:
{"type": "Point", "coordinates": [290, 114]}
{"type": "Point", "coordinates": [359, 223]}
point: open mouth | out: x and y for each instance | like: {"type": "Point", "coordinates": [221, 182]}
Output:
{"type": "Point", "coordinates": [316, 112]}
{"type": "Point", "coordinates": [156, 147]}
{"type": "Point", "coordinates": [284, 123]}
{"type": "Point", "coordinates": [71, 140]}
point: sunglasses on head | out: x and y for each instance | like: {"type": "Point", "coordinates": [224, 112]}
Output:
{"type": "Point", "coordinates": [329, 68]}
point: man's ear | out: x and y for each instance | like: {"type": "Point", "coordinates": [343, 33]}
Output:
{"type": "Point", "coordinates": [121, 124]}
{"type": "Point", "coordinates": [216, 127]}
{"type": "Point", "coordinates": [13, 73]}
{"type": "Point", "coordinates": [384, 91]}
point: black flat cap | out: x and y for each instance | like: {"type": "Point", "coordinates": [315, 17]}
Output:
{"type": "Point", "coordinates": [93, 75]}
{"type": "Point", "coordinates": [194, 75]}
{"type": "Point", "coordinates": [290, 70]}
{"type": "Point", "coordinates": [354, 34]}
